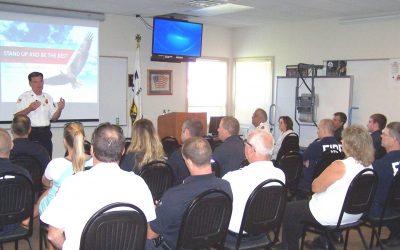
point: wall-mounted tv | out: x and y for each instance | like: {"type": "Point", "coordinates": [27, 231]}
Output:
{"type": "Point", "coordinates": [172, 37]}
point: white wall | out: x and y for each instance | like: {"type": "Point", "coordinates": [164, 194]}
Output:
{"type": "Point", "coordinates": [315, 41]}
{"type": "Point", "coordinates": [117, 38]}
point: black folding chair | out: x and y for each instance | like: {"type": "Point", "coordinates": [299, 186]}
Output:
{"type": "Point", "coordinates": [110, 229]}
{"type": "Point", "coordinates": [263, 214]}
{"type": "Point", "coordinates": [17, 200]}
{"type": "Point", "coordinates": [290, 143]}
{"type": "Point", "coordinates": [216, 168]}
{"type": "Point", "coordinates": [34, 168]}
{"type": "Point", "coordinates": [392, 202]}
{"type": "Point", "coordinates": [205, 221]}
{"type": "Point", "coordinates": [158, 176]}
{"type": "Point", "coordinates": [358, 200]}
{"type": "Point", "coordinates": [292, 165]}
{"type": "Point", "coordinates": [170, 144]}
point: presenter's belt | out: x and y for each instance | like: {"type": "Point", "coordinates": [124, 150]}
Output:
{"type": "Point", "coordinates": [44, 128]}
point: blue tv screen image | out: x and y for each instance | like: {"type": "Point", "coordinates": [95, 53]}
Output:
{"type": "Point", "coordinates": [177, 38]}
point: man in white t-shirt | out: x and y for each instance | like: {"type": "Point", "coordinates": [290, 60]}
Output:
{"type": "Point", "coordinates": [258, 150]}
{"type": "Point", "coordinates": [84, 193]}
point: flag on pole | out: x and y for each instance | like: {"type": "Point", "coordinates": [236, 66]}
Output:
{"type": "Point", "coordinates": [134, 111]}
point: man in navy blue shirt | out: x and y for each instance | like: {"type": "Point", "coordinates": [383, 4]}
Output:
{"type": "Point", "coordinates": [326, 141]}
{"type": "Point", "coordinates": [196, 152]}
{"type": "Point", "coordinates": [230, 154]}
{"type": "Point", "coordinates": [20, 128]}
{"type": "Point", "coordinates": [339, 119]}
{"type": "Point", "coordinates": [190, 128]}
{"type": "Point", "coordinates": [376, 124]}
{"type": "Point", "coordinates": [386, 168]}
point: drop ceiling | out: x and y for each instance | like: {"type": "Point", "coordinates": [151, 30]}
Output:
{"type": "Point", "coordinates": [232, 13]}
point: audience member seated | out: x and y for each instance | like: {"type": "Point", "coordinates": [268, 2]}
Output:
{"type": "Point", "coordinates": [196, 152]}
{"type": "Point", "coordinates": [258, 150]}
{"type": "Point", "coordinates": [258, 120]}
{"type": "Point", "coordinates": [60, 168]}
{"type": "Point", "coordinates": [230, 154]}
{"type": "Point", "coordinates": [6, 166]}
{"type": "Point", "coordinates": [376, 124]}
{"type": "Point", "coordinates": [286, 127]}
{"type": "Point", "coordinates": [326, 141]}
{"type": "Point", "coordinates": [20, 129]}
{"type": "Point", "coordinates": [190, 128]}
{"type": "Point", "coordinates": [84, 193]}
{"type": "Point", "coordinates": [145, 147]}
{"type": "Point", "coordinates": [330, 188]}
{"type": "Point", "coordinates": [386, 168]}
{"type": "Point", "coordinates": [339, 119]}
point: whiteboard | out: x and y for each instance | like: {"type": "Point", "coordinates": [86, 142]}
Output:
{"type": "Point", "coordinates": [374, 91]}
{"type": "Point", "coordinates": [333, 94]}
{"type": "Point", "coordinates": [113, 87]}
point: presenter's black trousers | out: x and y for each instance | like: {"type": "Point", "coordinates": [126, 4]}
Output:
{"type": "Point", "coordinates": [43, 136]}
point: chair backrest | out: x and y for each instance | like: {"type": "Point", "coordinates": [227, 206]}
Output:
{"type": "Point", "coordinates": [34, 168]}
{"type": "Point", "coordinates": [110, 229]}
{"type": "Point", "coordinates": [360, 194]}
{"type": "Point", "coordinates": [216, 168]}
{"type": "Point", "coordinates": [16, 199]}
{"type": "Point", "coordinates": [326, 159]}
{"type": "Point", "coordinates": [393, 196]}
{"type": "Point", "coordinates": [292, 165]}
{"type": "Point", "coordinates": [206, 220]}
{"type": "Point", "coordinates": [289, 143]}
{"type": "Point", "coordinates": [170, 144]}
{"type": "Point", "coordinates": [264, 209]}
{"type": "Point", "coordinates": [158, 176]}
{"type": "Point", "coordinates": [86, 147]}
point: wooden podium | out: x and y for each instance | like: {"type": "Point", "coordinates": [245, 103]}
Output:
{"type": "Point", "coordinates": [171, 124]}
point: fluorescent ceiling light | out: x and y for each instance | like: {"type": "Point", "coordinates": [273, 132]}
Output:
{"type": "Point", "coordinates": [386, 16]}
{"type": "Point", "coordinates": [205, 3]}
{"type": "Point", "coordinates": [220, 9]}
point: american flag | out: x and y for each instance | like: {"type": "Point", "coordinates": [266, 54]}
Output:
{"type": "Point", "coordinates": [160, 80]}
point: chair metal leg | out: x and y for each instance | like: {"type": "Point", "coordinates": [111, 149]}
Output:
{"type": "Point", "coordinates": [362, 238]}
{"type": "Point", "coordinates": [346, 240]}
{"type": "Point", "coordinates": [378, 240]}
{"type": "Point", "coordinates": [302, 238]}
{"type": "Point", "coordinates": [16, 244]}
{"type": "Point", "coordinates": [331, 244]}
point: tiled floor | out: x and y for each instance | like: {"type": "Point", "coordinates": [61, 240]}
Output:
{"type": "Point", "coordinates": [354, 240]}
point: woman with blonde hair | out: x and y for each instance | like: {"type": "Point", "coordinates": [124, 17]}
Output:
{"type": "Point", "coordinates": [330, 188]}
{"type": "Point", "coordinates": [145, 147]}
{"type": "Point", "coordinates": [60, 168]}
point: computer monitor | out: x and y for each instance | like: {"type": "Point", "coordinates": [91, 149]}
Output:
{"type": "Point", "coordinates": [214, 124]}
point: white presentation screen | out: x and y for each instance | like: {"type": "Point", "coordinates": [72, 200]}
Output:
{"type": "Point", "coordinates": [66, 52]}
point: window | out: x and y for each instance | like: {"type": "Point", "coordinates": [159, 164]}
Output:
{"type": "Point", "coordinates": [207, 86]}
{"type": "Point", "coordinates": [253, 87]}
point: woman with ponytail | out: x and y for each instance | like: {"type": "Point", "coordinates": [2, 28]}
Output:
{"type": "Point", "coordinates": [60, 168]}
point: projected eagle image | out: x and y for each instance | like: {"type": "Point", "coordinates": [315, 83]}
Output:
{"type": "Point", "coordinates": [74, 65]}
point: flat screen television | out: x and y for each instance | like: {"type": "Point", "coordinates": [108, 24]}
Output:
{"type": "Point", "coordinates": [172, 37]}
